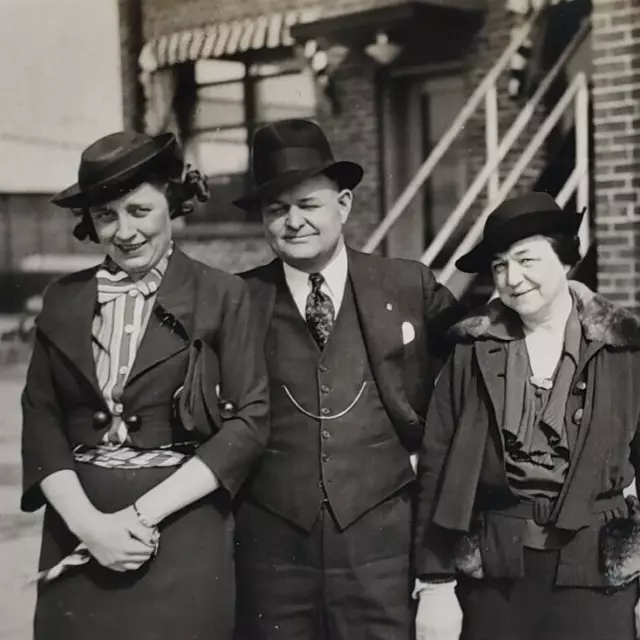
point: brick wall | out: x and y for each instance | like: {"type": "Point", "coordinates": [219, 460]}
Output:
{"type": "Point", "coordinates": [616, 98]}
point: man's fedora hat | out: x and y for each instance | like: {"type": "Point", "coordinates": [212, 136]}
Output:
{"type": "Point", "coordinates": [532, 214]}
{"type": "Point", "coordinates": [112, 165]}
{"type": "Point", "coordinates": [288, 152]}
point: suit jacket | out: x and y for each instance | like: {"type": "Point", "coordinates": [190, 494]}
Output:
{"type": "Point", "coordinates": [61, 397]}
{"type": "Point", "coordinates": [461, 470]}
{"type": "Point", "coordinates": [388, 292]}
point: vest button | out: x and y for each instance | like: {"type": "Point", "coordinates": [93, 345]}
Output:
{"type": "Point", "coordinates": [324, 388]}
{"type": "Point", "coordinates": [324, 411]}
{"type": "Point", "coordinates": [577, 416]}
{"type": "Point", "coordinates": [323, 368]}
{"type": "Point", "coordinates": [133, 423]}
{"type": "Point", "coordinates": [580, 387]}
{"type": "Point", "coordinates": [101, 419]}
{"type": "Point", "coordinates": [325, 457]}
{"type": "Point", "coordinates": [325, 434]}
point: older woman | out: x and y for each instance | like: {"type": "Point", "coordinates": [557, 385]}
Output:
{"type": "Point", "coordinates": [531, 437]}
{"type": "Point", "coordinates": [136, 480]}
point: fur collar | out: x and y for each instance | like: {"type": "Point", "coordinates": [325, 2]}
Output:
{"type": "Point", "coordinates": [601, 320]}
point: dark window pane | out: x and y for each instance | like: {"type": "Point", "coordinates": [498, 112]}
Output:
{"type": "Point", "coordinates": [219, 208]}
{"type": "Point", "coordinates": [288, 96]}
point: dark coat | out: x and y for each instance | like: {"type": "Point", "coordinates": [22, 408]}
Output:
{"type": "Point", "coordinates": [61, 396]}
{"type": "Point", "coordinates": [387, 293]}
{"type": "Point", "coordinates": [461, 470]}
{"type": "Point", "coordinates": [194, 569]}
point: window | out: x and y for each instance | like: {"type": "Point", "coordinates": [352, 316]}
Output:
{"type": "Point", "coordinates": [232, 99]}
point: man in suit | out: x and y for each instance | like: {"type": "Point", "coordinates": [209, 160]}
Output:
{"type": "Point", "coordinates": [353, 344]}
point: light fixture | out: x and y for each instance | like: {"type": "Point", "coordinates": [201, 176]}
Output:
{"type": "Point", "coordinates": [382, 50]}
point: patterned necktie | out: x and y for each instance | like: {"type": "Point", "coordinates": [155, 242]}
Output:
{"type": "Point", "coordinates": [319, 311]}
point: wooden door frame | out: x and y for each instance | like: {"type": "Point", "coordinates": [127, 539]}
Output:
{"type": "Point", "coordinates": [395, 242]}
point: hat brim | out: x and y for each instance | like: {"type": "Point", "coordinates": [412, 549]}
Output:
{"type": "Point", "coordinates": [346, 174]}
{"type": "Point", "coordinates": [75, 196]}
{"type": "Point", "coordinates": [524, 226]}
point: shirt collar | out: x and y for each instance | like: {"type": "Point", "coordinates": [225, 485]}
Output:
{"type": "Point", "coordinates": [334, 274]}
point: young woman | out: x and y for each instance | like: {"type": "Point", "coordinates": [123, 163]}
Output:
{"type": "Point", "coordinates": [146, 494]}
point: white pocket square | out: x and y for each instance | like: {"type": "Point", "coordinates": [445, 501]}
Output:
{"type": "Point", "coordinates": [408, 333]}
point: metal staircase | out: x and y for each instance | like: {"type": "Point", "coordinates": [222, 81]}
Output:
{"type": "Point", "coordinates": [572, 106]}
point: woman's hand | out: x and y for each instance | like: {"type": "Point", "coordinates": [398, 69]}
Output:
{"type": "Point", "coordinates": [439, 615]}
{"type": "Point", "coordinates": [118, 541]}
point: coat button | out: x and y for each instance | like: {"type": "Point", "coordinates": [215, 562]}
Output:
{"type": "Point", "coordinates": [101, 419]}
{"type": "Point", "coordinates": [133, 423]}
{"type": "Point", "coordinates": [580, 387]}
{"type": "Point", "coordinates": [577, 416]}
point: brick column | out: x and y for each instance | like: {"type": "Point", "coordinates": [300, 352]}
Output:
{"type": "Point", "coordinates": [616, 102]}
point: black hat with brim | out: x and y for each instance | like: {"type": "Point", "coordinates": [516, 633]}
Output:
{"type": "Point", "coordinates": [114, 165]}
{"type": "Point", "coordinates": [288, 152]}
{"type": "Point", "coordinates": [515, 219]}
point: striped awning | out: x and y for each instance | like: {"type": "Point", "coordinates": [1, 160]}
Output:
{"type": "Point", "coordinates": [223, 39]}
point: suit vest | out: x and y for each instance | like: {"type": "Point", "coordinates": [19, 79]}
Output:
{"type": "Point", "coordinates": [331, 438]}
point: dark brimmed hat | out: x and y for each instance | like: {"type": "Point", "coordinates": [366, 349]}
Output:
{"type": "Point", "coordinates": [288, 152]}
{"type": "Point", "coordinates": [114, 165]}
{"type": "Point", "coordinates": [532, 214]}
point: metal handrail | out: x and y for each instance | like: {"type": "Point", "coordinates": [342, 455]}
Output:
{"type": "Point", "coordinates": [514, 131]}
{"type": "Point", "coordinates": [443, 145]}
{"type": "Point", "coordinates": [577, 87]}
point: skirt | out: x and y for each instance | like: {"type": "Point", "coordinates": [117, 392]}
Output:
{"type": "Point", "coordinates": [534, 608]}
{"type": "Point", "coordinates": [187, 592]}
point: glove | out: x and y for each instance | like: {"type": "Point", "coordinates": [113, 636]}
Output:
{"type": "Point", "coordinates": [439, 614]}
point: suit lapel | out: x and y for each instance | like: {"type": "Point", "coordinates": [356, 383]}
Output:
{"type": "Point", "coordinates": [264, 287]}
{"type": "Point", "coordinates": [67, 321]}
{"type": "Point", "coordinates": [171, 322]}
{"type": "Point", "coordinates": [381, 326]}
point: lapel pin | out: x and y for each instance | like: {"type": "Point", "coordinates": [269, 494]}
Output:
{"type": "Point", "coordinates": [389, 306]}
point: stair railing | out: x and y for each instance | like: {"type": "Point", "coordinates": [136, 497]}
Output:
{"type": "Point", "coordinates": [486, 91]}
{"type": "Point", "coordinates": [577, 92]}
{"type": "Point", "coordinates": [511, 136]}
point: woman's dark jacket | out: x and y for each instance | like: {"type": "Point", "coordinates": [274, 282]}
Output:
{"type": "Point", "coordinates": [62, 402]}
{"type": "Point", "coordinates": [462, 480]}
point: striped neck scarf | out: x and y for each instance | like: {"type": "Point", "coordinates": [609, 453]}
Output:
{"type": "Point", "coordinates": [113, 281]}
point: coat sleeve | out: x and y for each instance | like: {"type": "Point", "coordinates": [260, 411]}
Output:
{"type": "Point", "coordinates": [441, 311]}
{"type": "Point", "coordinates": [45, 446]}
{"type": "Point", "coordinates": [432, 545]}
{"type": "Point", "coordinates": [233, 450]}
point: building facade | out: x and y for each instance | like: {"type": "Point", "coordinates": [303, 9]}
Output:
{"type": "Point", "coordinates": [387, 79]}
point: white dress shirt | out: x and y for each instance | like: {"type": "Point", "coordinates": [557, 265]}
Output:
{"type": "Point", "coordinates": [335, 280]}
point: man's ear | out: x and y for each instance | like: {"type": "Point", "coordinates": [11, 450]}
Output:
{"type": "Point", "coordinates": [345, 201]}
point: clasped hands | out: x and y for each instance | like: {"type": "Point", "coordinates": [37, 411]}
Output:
{"type": "Point", "coordinates": [119, 541]}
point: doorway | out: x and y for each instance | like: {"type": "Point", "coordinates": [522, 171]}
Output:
{"type": "Point", "coordinates": [418, 110]}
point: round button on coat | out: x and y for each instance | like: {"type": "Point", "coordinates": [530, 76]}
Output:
{"type": "Point", "coordinates": [101, 419]}
{"type": "Point", "coordinates": [133, 423]}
